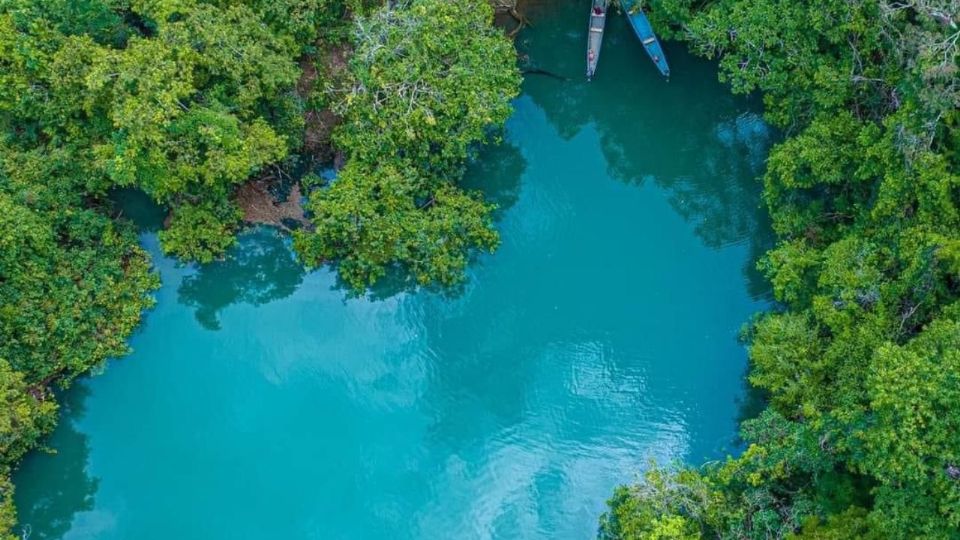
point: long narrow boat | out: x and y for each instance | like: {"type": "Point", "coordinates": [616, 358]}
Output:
{"type": "Point", "coordinates": [644, 30]}
{"type": "Point", "coordinates": [598, 21]}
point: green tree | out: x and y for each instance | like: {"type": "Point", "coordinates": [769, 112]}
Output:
{"type": "Point", "coordinates": [428, 82]}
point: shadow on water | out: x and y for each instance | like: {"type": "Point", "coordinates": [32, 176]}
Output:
{"type": "Point", "coordinates": [689, 135]}
{"type": "Point", "coordinates": [261, 268]}
{"type": "Point", "coordinates": [136, 206]}
{"type": "Point", "coordinates": [59, 487]}
{"type": "Point", "coordinates": [496, 173]}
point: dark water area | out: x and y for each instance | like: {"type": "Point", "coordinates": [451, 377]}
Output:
{"type": "Point", "coordinates": [262, 402]}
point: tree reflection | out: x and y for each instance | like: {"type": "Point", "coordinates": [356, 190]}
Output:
{"type": "Point", "coordinates": [136, 206]}
{"type": "Point", "coordinates": [260, 269]}
{"type": "Point", "coordinates": [60, 487]}
{"type": "Point", "coordinates": [689, 135]}
{"type": "Point", "coordinates": [496, 173]}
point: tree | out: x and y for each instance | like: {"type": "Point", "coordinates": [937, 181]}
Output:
{"type": "Point", "coordinates": [373, 218]}
{"type": "Point", "coordinates": [429, 81]}
{"type": "Point", "coordinates": [25, 417]}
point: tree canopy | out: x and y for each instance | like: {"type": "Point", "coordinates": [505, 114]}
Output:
{"type": "Point", "coordinates": [427, 83]}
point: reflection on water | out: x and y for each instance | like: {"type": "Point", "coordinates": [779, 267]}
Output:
{"type": "Point", "coordinates": [59, 487]}
{"type": "Point", "coordinates": [496, 172]}
{"type": "Point", "coordinates": [688, 134]}
{"type": "Point", "coordinates": [262, 269]}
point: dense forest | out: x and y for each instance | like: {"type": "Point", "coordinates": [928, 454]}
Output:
{"type": "Point", "coordinates": [860, 363]}
{"type": "Point", "coordinates": [193, 102]}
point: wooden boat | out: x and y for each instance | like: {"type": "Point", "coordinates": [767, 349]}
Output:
{"type": "Point", "coordinates": [598, 21]}
{"type": "Point", "coordinates": [643, 29]}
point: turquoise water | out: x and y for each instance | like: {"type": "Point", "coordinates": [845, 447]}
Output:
{"type": "Point", "coordinates": [261, 402]}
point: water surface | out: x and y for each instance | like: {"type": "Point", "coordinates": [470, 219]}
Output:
{"type": "Point", "coordinates": [260, 402]}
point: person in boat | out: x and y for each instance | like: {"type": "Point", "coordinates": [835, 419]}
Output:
{"type": "Point", "coordinates": [590, 55]}
{"type": "Point", "coordinates": [598, 11]}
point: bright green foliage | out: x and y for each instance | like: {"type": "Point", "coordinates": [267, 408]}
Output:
{"type": "Point", "coordinates": [201, 232]}
{"type": "Point", "coordinates": [655, 508]}
{"type": "Point", "coordinates": [428, 82]}
{"type": "Point", "coordinates": [374, 217]}
{"type": "Point", "coordinates": [72, 282]}
{"type": "Point", "coordinates": [860, 363]}
{"type": "Point", "coordinates": [851, 523]}
{"type": "Point", "coordinates": [912, 446]}
{"type": "Point", "coordinates": [24, 417]}
{"type": "Point", "coordinates": [182, 99]}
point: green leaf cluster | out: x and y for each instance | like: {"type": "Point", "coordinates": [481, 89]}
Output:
{"type": "Point", "coordinates": [183, 99]}
{"type": "Point", "coordinates": [429, 80]}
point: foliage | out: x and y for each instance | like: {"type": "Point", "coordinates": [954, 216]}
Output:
{"type": "Point", "coordinates": [25, 417]}
{"type": "Point", "coordinates": [72, 281]}
{"type": "Point", "coordinates": [186, 100]}
{"type": "Point", "coordinates": [201, 232]}
{"type": "Point", "coordinates": [860, 362]}
{"type": "Point", "coordinates": [373, 217]}
{"type": "Point", "coordinates": [428, 82]}
{"type": "Point", "coordinates": [73, 284]}
{"type": "Point", "coordinates": [666, 505]}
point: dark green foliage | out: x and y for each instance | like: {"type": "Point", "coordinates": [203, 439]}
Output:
{"type": "Point", "coordinates": [860, 364]}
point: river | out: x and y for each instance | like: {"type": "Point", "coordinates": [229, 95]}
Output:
{"type": "Point", "coordinates": [261, 402]}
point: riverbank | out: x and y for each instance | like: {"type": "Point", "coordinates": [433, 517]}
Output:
{"type": "Point", "coordinates": [511, 407]}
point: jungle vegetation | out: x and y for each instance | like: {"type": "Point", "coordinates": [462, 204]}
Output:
{"type": "Point", "coordinates": [188, 100]}
{"type": "Point", "coordinates": [860, 362]}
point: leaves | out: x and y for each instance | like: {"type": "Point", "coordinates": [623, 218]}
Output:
{"type": "Point", "coordinates": [428, 82]}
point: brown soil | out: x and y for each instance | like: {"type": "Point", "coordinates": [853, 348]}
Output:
{"type": "Point", "coordinates": [254, 197]}
{"type": "Point", "coordinates": [259, 206]}
{"type": "Point", "coordinates": [508, 15]}
{"type": "Point", "coordinates": [320, 123]}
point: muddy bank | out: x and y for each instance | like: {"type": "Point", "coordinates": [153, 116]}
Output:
{"type": "Point", "coordinates": [275, 197]}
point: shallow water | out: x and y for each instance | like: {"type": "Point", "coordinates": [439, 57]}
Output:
{"type": "Point", "coordinates": [260, 402]}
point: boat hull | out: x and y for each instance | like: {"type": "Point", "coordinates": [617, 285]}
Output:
{"type": "Point", "coordinates": [644, 30]}
{"type": "Point", "coordinates": [595, 29]}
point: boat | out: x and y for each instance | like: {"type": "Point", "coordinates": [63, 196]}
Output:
{"type": "Point", "coordinates": [644, 30]}
{"type": "Point", "coordinates": [598, 21]}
